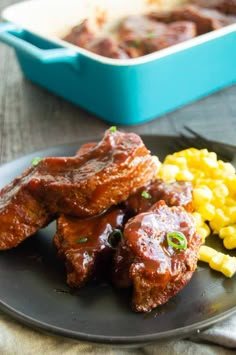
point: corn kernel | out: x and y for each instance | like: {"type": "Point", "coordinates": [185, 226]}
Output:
{"type": "Point", "coordinates": [228, 168]}
{"type": "Point", "coordinates": [181, 162]}
{"type": "Point", "coordinates": [219, 220]}
{"type": "Point", "coordinates": [198, 219]}
{"type": "Point", "coordinates": [204, 152]}
{"type": "Point", "coordinates": [231, 183]}
{"type": "Point", "coordinates": [201, 195]}
{"type": "Point", "coordinates": [220, 191]}
{"type": "Point", "coordinates": [228, 267]}
{"type": "Point", "coordinates": [209, 163]}
{"type": "Point", "coordinates": [214, 199]}
{"type": "Point", "coordinates": [218, 202]}
{"type": "Point", "coordinates": [212, 155]}
{"type": "Point", "coordinates": [204, 231]}
{"type": "Point", "coordinates": [206, 253]}
{"type": "Point", "coordinates": [230, 241]}
{"type": "Point", "coordinates": [168, 172]}
{"type": "Point", "coordinates": [230, 201]}
{"type": "Point", "coordinates": [224, 170]}
{"type": "Point", "coordinates": [198, 175]}
{"type": "Point", "coordinates": [216, 261]}
{"type": "Point", "coordinates": [231, 213]}
{"type": "Point", "coordinates": [207, 211]}
{"type": "Point", "coordinates": [227, 231]}
{"type": "Point", "coordinates": [184, 175]}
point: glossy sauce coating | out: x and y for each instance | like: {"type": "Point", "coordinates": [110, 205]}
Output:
{"type": "Point", "coordinates": [88, 184]}
{"type": "Point", "coordinates": [206, 20]}
{"type": "Point", "coordinates": [134, 36]}
{"type": "Point", "coordinates": [225, 6]}
{"type": "Point", "coordinates": [98, 177]}
{"type": "Point", "coordinates": [137, 35]}
{"type": "Point", "coordinates": [141, 35]}
{"type": "Point", "coordinates": [86, 245]}
{"type": "Point", "coordinates": [178, 193]}
{"type": "Point", "coordinates": [144, 259]}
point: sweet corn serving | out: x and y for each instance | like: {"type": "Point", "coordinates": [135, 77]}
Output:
{"type": "Point", "coordinates": [214, 200]}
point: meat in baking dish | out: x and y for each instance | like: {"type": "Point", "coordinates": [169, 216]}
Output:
{"type": "Point", "coordinates": [205, 19]}
{"type": "Point", "coordinates": [138, 35]}
{"type": "Point", "coordinates": [224, 6]}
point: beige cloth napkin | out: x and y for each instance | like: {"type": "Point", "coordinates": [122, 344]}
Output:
{"type": "Point", "coordinates": [16, 338]}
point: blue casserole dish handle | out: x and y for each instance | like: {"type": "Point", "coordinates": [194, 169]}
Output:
{"type": "Point", "coordinates": [14, 36]}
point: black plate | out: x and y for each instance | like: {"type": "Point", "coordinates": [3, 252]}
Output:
{"type": "Point", "coordinates": [33, 288]}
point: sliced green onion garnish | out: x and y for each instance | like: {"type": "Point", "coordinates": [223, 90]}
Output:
{"type": "Point", "coordinates": [82, 240]}
{"type": "Point", "coordinates": [35, 161]}
{"type": "Point", "coordinates": [178, 236]}
{"type": "Point", "coordinates": [113, 129]}
{"type": "Point", "coordinates": [150, 35]}
{"type": "Point", "coordinates": [145, 194]}
{"type": "Point", "coordinates": [135, 43]}
{"type": "Point", "coordinates": [115, 237]}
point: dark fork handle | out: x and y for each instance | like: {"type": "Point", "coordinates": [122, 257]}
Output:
{"type": "Point", "coordinates": [224, 151]}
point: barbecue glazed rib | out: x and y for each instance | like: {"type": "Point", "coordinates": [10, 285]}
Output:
{"type": "Point", "coordinates": [83, 185]}
{"type": "Point", "coordinates": [145, 260]}
{"type": "Point", "coordinates": [140, 35]}
{"type": "Point", "coordinates": [177, 193]}
{"type": "Point", "coordinates": [206, 19]}
{"type": "Point", "coordinates": [86, 245]}
{"type": "Point", "coordinates": [225, 6]}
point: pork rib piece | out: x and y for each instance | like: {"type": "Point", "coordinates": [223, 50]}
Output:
{"type": "Point", "coordinates": [107, 47]}
{"type": "Point", "coordinates": [86, 35]}
{"type": "Point", "coordinates": [225, 6]}
{"type": "Point", "coordinates": [177, 193]}
{"type": "Point", "coordinates": [21, 215]}
{"type": "Point", "coordinates": [87, 245]}
{"type": "Point", "coordinates": [82, 34]}
{"type": "Point", "coordinates": [140, 35]}
{"type": "Point", "coordinates": [206, 20]}
{"type": "Point", "coordinates": [92, 257]}
{"type": "Point", "coordinates": [145, 261]}
{"type": "Point", "coordinates": [83, 185]}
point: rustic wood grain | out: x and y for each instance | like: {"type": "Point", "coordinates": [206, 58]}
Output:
{"type": "Point", "coordinates": [32, 118]}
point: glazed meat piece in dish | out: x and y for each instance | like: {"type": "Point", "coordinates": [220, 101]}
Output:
{"type": "Point", "coordinates": [225, 6]}
{"type": "Point", "coordinates": [178, 193]}
{"type": "Point", "coordinates": [84, 185]}
{"type": "Point", "coordinates": [82, 34]}
{"type": "Point", "coordinates": [86, 35]}
{"type": "Point", "coordinates": [87, 245]}
{"type": "Point", "coordinates": [206, 20]}
{"type": "Point", "coordinates": [141, 35]}
{"type": "Point", "coordinates": [146, 261]}
{"type": "Point", "coordinates": [138, 35]}
{"type": "Point", "coordinates": [107, 47]}
{"type": "Point", "coordinates": [139, 27]}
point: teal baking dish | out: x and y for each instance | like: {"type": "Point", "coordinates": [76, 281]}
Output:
{"type": "Point", "coordinates": [130, 91]}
